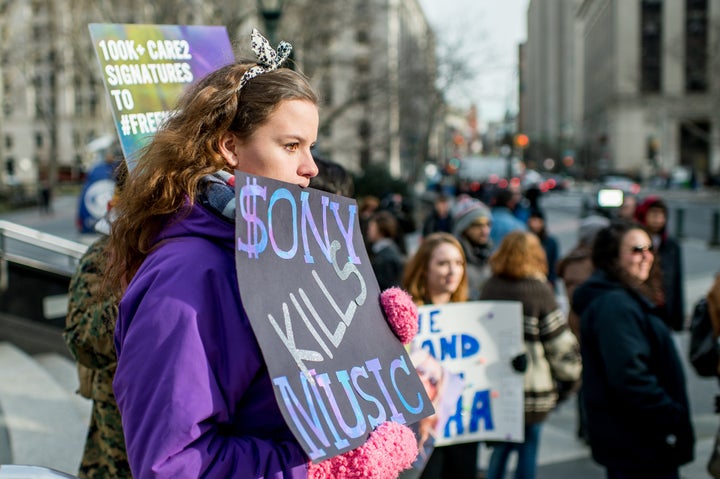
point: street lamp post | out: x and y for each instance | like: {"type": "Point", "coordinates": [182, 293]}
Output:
{"type": "Point", "coordinates": [271, 11]}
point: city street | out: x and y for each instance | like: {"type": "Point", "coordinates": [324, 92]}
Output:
{"type": "Point", "coordinates": [404, 96]}
{"type": "Point", "coordinates": [562, 455]}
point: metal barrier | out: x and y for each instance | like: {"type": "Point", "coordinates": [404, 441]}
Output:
{"type": "Point", "coordinates": [13, 471]}
{"type": "Point", "coordinates": [35, 249]}
{"type": "Point", "coordinates": [35, 272]}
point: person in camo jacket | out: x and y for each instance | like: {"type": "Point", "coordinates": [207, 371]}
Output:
{"type": "Point", "coordinates": [88, 334]}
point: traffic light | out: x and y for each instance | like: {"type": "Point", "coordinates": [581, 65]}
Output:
{"type": "Point", "coordinates": [522, 140]}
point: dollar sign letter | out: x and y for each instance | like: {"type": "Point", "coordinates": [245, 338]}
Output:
{"type": "Point", "coordinates": [257, 237]}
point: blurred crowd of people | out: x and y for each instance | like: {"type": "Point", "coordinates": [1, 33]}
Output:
{"type": "Point", "coordinates": [624, 284]}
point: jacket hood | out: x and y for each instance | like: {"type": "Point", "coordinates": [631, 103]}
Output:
{"type": "Point", "coordinates": [196, 220]}
{"type": "Point", "coordinates": [597, 284]}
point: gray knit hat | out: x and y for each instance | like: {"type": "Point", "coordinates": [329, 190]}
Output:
{"type": "Point", "coordinates": [465, 213]}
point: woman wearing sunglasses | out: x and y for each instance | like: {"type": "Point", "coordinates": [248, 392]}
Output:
{"type": "Point", "coordinates": [635, 396]}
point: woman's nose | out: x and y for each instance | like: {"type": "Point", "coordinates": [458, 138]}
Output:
{"type": "Point", "coordinates": [307, 167]}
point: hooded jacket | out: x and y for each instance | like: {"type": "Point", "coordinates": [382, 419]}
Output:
{"type": "Point", "coordinates": [633, 381]}
{"type": "Point", "coordinates": [191, 384]}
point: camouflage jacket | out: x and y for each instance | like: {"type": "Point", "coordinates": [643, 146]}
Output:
{"type": "Point", "coordinates": [89, 330]}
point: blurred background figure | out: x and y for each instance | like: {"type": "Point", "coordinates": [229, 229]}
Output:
{"type": "Point", "coordinates": [385, 257]}
{"type": "Point", "coordinates": [574, 269]}
{"type": "Point", "coordinates": [333, 178]}
{"type": "Point", "coordinates": [520, 274]}
{"type": "Point", "coordinates": [45, 197]}
{"type": "Point", "coordinates": [98, 189]}
{"type": "Point", "coordinates": [504, 220]}
{"type": "Point", "coordinates": [532, 196]}
{"type": "Point", "coordinates": [628, 207]}
{"type": "Point", "coordinates": [576, 266]}
{"type": "Point", "coordinates": [713, 301]}
{"type": "Point", "coordinates": [367, 206]}
{"type": "Point", "coordinates": [400, 207]}
{"type": "Point", "coordinates": [439, 219]}
{"type": "Point", "coordinates": [521, 206]}
{"type": "Point", "coordinates": [436, 274]}
{"type": "Point", "coordinates": [666, 276]}
{"type": "Point", "coordinates": [536, 224]}
{"type": "Point", "coordinates": [472, 224]}
{"type": "Point", "coordinates": [634, 385]}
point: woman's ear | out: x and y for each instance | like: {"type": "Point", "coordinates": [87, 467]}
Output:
{"type": "Point", "coordinates": [228, 147]}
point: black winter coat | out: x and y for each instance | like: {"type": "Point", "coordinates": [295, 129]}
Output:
{"type": "Point", "coordinates": [673, 311]}
{"type": "Point", "coordinates": [387, 263]}
{"type": "Point", "coordinates": [633, 381]}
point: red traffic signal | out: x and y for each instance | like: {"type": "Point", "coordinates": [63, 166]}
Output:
{"type": "Point", "coordinates": [522, 140]}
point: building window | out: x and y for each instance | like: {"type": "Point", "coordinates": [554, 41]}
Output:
{"type": "Point", "coordinates": [10, 165]}
{"type": "Point", "coordinates": [365, 157]}
{"type": "Point", "coordinates": [9, 142]}
{"type": "Point", "coordinates": [696, 45]}
{"type": "Point", "coordinates": [363, 92]}
{"type": "Point", "coordinates": [93, 104]}
{"type": "Point", "coordinates": [362, 36]}
{"type": "Point", "coordinates": [38, 140]}
{"type": "Point", "coordinates": [651, 45]}
{"type": "Point", "coordinates": [364, 131]}
{"type": "Point", "coordinates": [77, 91]}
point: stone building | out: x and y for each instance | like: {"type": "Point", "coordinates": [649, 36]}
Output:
{"type": "Point", "coordinates": [660, 106]}
{"type": "Point", "coordinates": [643, 75]}
{"type": "Point", "coordinates": [373, 62]}
{"type": "Point", "coordinates": [549, 96]}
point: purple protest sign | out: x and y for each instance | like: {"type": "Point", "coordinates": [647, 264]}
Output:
{"type": "Point", "coordinates": [337, 369]}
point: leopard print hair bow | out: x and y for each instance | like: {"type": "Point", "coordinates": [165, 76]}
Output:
{"type": "Point", "coordinates": [268, 59]}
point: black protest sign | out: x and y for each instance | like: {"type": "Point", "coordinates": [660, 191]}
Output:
{"type": "Point", "coordinates": [337, 369]}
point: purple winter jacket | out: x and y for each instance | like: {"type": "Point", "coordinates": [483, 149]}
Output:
{"type": "Point", "coordinates": [193, 390]}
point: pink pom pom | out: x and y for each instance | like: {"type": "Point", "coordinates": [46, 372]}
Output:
{"type": "Point", "coordinates": [389, 450]}
{"type": "Point", "coordinates": [401, 313]}
{"type": "Point", "coordinates": [321, 470]}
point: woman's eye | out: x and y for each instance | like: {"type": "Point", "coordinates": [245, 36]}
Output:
{"type": "Point", "coordinates": [292, 146]}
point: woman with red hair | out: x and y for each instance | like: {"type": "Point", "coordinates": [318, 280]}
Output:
{"type": "Point", "coordinates": [553, 356]}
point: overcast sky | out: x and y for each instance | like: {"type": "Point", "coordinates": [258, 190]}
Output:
{"type": "Point", "coordinates": [489, 32]}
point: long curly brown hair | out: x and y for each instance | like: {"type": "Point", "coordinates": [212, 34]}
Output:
{"type": "Point", "coordinates": [186, 148]}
